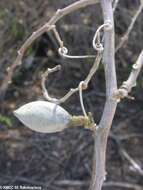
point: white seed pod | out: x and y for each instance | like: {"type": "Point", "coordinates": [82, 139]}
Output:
{"type": "Point", "coordinates": [43, 116]}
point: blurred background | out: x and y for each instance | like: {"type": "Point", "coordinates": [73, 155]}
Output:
{"type": "Point", "coordinates": [63, 160]}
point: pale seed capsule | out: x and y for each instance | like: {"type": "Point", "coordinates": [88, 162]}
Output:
{"type": "Point", "coordinates": [43, 116]}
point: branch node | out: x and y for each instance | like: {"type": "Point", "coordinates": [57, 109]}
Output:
{"type": "Point", "coordinates": [130, 97]}
{"type": "Point", "coordinates": [9, 82]}
{"type": "Point", "coordinates": [58, 11]}
{"type": "Point", "coordinates": [120, 94]}
{"type": "Point", "coordinates": [84, 85]}
{"type": "Point", "coordinates": [49, 26]}
{"type": "Point", "coordinates": [108, 25]}
{"type": "Point", "coordinates": [19, 52]}
{"type": "Point", "coordinates": [99, 47]}
{"type": "Point", "coordinates": [136, 66]}
{"type": "Point", "coordinates": [86, 121]}
{"type": "Point", "coordinates": [63, 51]}
{"type": "Point", "coordinates": [8, 68]}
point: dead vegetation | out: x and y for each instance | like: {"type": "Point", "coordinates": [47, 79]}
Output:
{"type": "Point", "coordinates": [63, 160]}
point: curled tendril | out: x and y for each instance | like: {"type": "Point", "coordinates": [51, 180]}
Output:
{"type": "Point", "coordinates": [97, 45]}
{"type": "Point", "coordinates": [63, 51]}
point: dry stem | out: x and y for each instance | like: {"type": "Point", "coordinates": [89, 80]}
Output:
{"type": "Point", "coordinates": [45, 28]}
{"type": "Point", "coordinates": [102, 131]}
{"type": "Point", "coordinates": [115, 5]}
{"type": "Point", "coordinates": [127, 33]}
{"type": "Point", "coordinates": [72, 90]}
{"type": "Point", "coordinates": [101, 135]}
{"type": "Point", "coordinates": [127, 85]}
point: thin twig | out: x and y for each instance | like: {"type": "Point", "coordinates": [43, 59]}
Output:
{"type": "Point", "coordinates": [45, 92]}
{"type": "Point", "coordinates": [72, 90]}
{"type": "Point", "coordinates": [64, 53]}
{"type": "Point", "coordinates": [127, 33]}
{"type": "Point", "coordinates": [115, 5]}
{"type": "Point", "coordinates": [81, 98]}
{"type": "Point", "coordinates": [57, 35]}
{"type": "Point", "coordinates": [127, 86]}
{"type": "Point", "coordinates": [45, 28]}
{"type": "Point", "coordinates": [85, 82]}
{"type": "Point", "coordinates": [94, 68]}
{"type": "Point", "coordinates": [134, 164]}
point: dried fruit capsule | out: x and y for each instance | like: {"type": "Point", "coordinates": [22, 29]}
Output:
{"type": "Point", "coordinates": [43, 116]}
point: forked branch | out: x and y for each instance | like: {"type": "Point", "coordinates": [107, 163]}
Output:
{"type": "Point", "coordinates": [127, 85]}
{"type": "Point", "coordinates": [112, 93]}
{"type": "Point", "coordinates": [102, 132]}
{"type": "Point", "coordinates": [45, 28]}
{"type": "Point", "coordinates": [72, 90]}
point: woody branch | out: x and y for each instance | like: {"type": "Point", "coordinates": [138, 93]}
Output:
{"type": "Point", "coordinates": [45, 28]}
{"type": "Point", "coordinates": [102, 132]}
{"type": "Point", "coordinates": [127, 85]}
{"type": "Point", "coordinates": [112, 93]}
